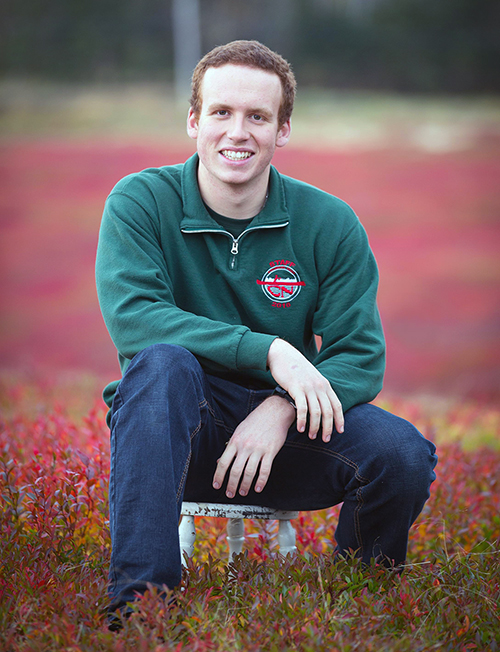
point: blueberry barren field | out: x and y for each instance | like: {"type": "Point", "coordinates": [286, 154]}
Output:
{"type": "Point", "coordinates": [433, 220]}
{"type": "Point", "coordinates": [431, 207]}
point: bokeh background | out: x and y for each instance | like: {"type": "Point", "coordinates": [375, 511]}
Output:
{"type": "Point", "coordinates": [398, 113]}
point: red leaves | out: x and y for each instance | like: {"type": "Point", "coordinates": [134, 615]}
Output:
{"type": "Point", "coordinates": [54, 551]}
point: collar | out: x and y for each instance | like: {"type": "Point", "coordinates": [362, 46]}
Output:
{"type": "Point", "coordinates": [274, 213]}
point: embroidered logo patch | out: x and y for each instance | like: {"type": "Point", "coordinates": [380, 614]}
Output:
{"type": "Point", "coordinates": [281, 283]}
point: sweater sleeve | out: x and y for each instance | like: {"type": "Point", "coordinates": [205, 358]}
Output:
{"type": "Point", "coordinates": [352, 355]}
{"type": "Point", "coordinates": [137, 298]}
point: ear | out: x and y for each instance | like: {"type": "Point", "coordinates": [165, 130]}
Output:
{"type": "Point", "coordinates": [192, 124]}
{"type": "Point", "coordinates": [284, 132]}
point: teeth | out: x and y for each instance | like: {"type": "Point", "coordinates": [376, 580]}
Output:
{"type": "Point", "coordinates": [236, 156]}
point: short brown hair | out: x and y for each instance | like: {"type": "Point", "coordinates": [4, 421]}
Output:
{"type": "Point", "coordinates": [246, 53]}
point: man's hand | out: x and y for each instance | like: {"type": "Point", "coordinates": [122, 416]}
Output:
{"type": "Point", "coordinates": [310, 390]}
{"type": "Point", "coordinates": [254, 444]}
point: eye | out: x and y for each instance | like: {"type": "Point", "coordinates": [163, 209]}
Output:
{"type": "Point", "coordinates": [221, 112]}
{"type": "Point", "coordinates": [257, 117]}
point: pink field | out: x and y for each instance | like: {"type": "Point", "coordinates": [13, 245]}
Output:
{"type": "Point", "coordinates": [433, 221]}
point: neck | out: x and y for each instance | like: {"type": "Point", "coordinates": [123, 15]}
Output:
{"type": "Point", "coordinates": [233, 200]}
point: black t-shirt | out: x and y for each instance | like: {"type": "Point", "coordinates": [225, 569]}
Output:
{"type": "Point", "coordinates": [231, 224]}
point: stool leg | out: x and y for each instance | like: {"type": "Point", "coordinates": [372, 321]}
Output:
{"type": "Point", "coordinates": [187, 536]}
{"type": "Point", "coordinates": [235, 536]}
{"type": "Point", "coordinates": [286, 537]}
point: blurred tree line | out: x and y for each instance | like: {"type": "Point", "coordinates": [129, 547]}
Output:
{"type": "Point", "coordinates": [403, 45]}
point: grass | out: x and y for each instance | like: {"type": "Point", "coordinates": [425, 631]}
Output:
{"type": "Point", "coordinates": [54, 467]}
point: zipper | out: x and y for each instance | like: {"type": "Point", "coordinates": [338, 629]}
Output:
{"type": "Point", "coordinates": [235, 241]}
{"type": "Point", "coordinates": [234, 253]}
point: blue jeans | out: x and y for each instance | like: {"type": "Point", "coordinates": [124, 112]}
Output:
{"type": "Point", "coordinates": [170, 422]}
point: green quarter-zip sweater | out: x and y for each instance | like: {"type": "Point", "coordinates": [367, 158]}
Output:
{"type": "Point", "coordinates": [167, 272]}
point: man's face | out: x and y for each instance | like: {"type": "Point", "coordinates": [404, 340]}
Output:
{"type": "Point", "coordinates": [237, 130]}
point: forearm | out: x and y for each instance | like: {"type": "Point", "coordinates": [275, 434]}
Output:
{"type": "Point", "coordinates": [216, 344]}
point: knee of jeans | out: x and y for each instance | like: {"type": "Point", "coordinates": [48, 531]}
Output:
{"type": "Point", "coordinates": [167, 359]}
{"type": "Point", "coordinates": [396, 453]}
{"type": "Point", "coordinates": [414, 460]}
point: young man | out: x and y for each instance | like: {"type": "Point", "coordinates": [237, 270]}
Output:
{"type": "Point", "coordinates": [214, 276]}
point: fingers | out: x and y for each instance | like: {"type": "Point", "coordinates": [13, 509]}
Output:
{"type": "Point", "coordinates": [243, 469]}
{"type": "Point", "coordinates": [315, 414]}
{"type": "Point", "coordinates": [326, 419]}
{"type": "Point", "coordinates": [251, 468]}
{"type": "Point", "coordinates": [302, 408]}
{"type": "Point", "coordinates": [248, 476]}
{"type": "Point", "coordinates": [265, 470]}
{"type": "Point", "coordinates": [222, 466]}
{"type": "Point", "coordinates": [338, 415]}
{"type": "Point", "coordinates": [324, 410]}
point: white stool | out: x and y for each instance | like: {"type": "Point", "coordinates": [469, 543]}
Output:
{"type": "Point", "coordinates": [235, 527]}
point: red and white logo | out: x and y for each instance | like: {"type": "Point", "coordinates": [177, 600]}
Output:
{"type": "Point", "coordinates": [281, 283]}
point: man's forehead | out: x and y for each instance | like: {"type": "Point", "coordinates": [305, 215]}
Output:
{"type": "Point", "coordinates": [223, 82]}
{"type": "Point", "coordinates": [240, 73]}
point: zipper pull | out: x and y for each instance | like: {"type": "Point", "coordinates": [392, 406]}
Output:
{"type": "Point", "coordinates": [234, 252]}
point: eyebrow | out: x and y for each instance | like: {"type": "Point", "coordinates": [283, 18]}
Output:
{"type": "Point", "coordinates": [216, 106]}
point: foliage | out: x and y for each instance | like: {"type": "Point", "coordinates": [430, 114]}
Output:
{"type": "Point", "coordinates": [404, 45]}
{"type": "Point", "coordinates": [55, 550]}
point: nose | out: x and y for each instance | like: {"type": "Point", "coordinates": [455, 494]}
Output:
{"type": "Point", "coordinates": [237, 130]}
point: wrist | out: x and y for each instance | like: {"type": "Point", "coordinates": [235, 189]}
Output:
{"type": "Point", "coordinates": [280, 391]}
{"type": "Point", "coordinates": [283, 407]}
{"type": "Point", "coordinates": [274, 350]}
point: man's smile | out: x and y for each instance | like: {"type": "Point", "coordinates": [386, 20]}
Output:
{"type": "Point", "coordinates": [235, 156]}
